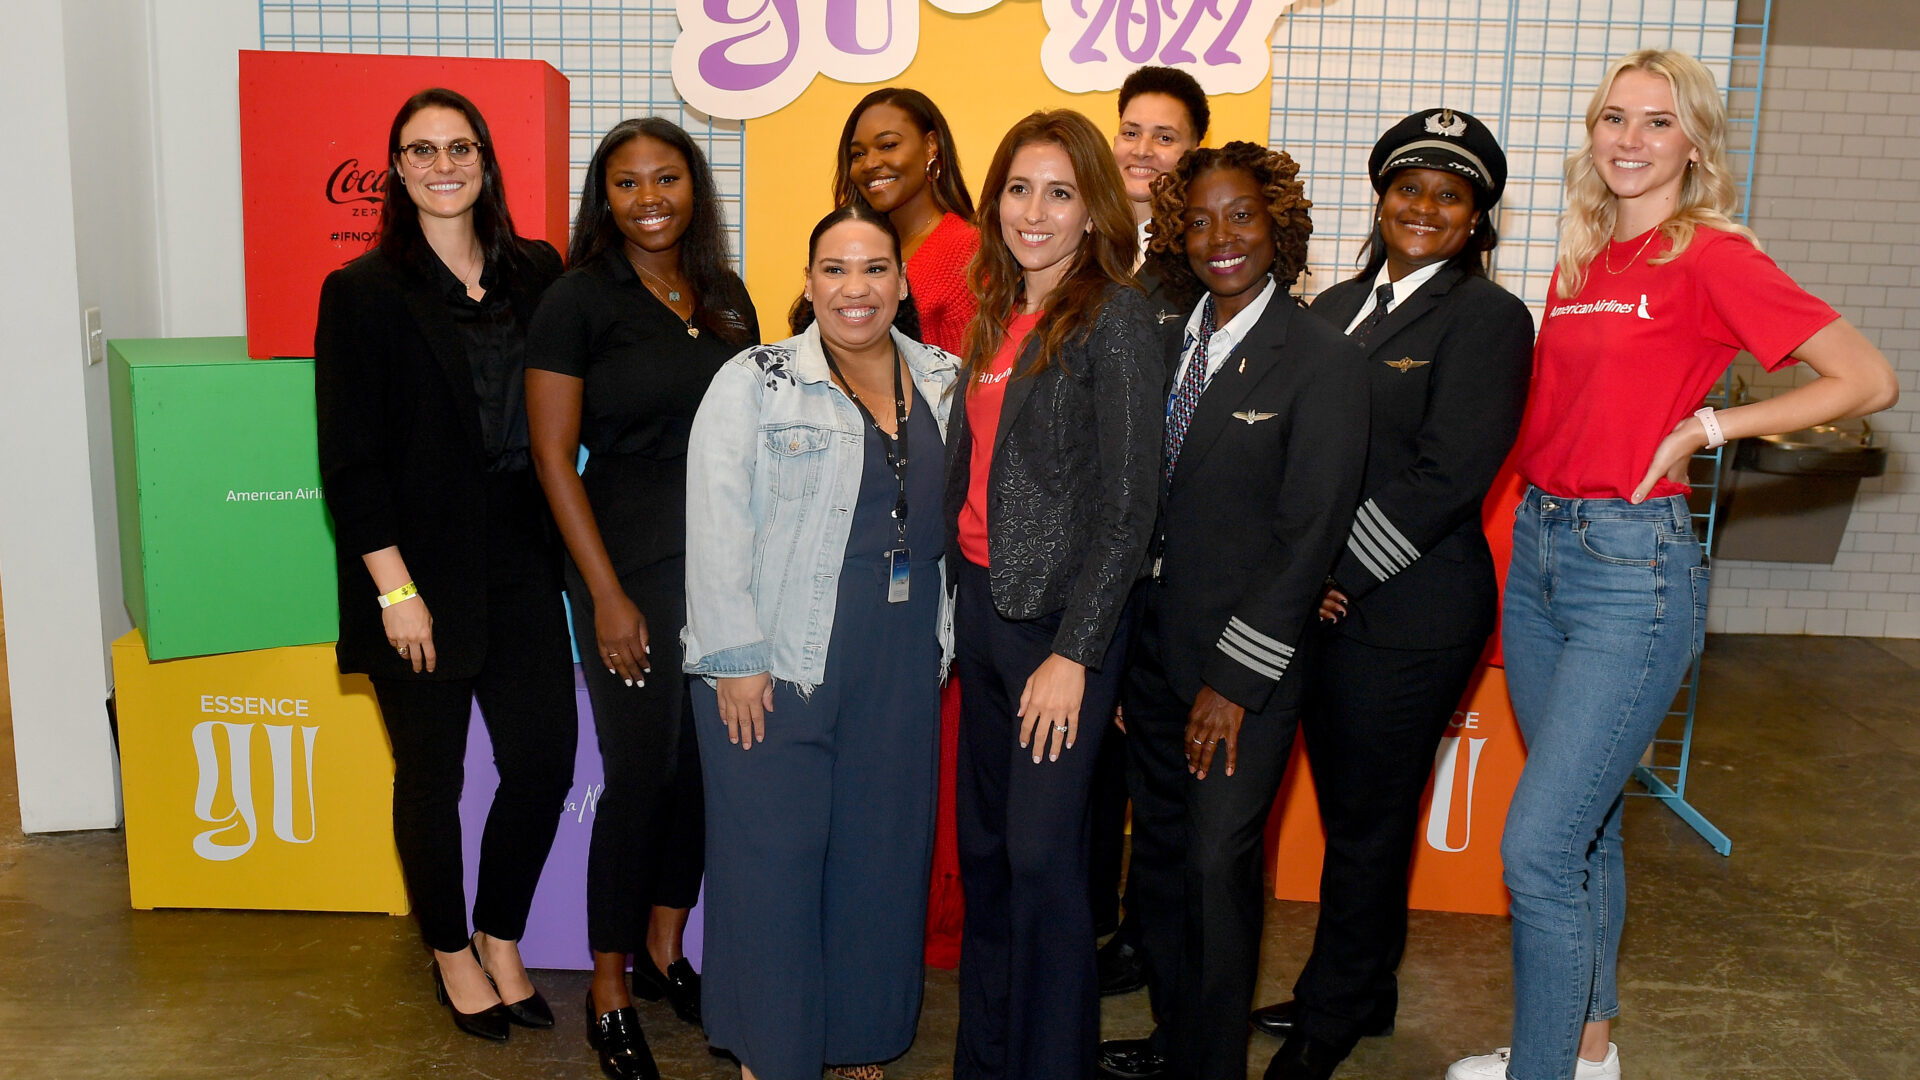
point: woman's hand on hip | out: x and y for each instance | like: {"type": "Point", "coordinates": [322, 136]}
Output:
{"type": "Point", "coordinates": [409, 627]}
{"type": "Point", "coordinates": [622, 634]}
{"type": "Point", "coordinates": [744, 705]}
{"type": "Point", "coordinates": [1052, 697]}
{"type": "Point", "coordinates": [1672, 459]}
{"type": "Point", "coordinates": [1212, 721]}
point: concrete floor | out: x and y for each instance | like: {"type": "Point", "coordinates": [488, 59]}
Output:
{"type": "Point", "coordinates": [1798, 957]}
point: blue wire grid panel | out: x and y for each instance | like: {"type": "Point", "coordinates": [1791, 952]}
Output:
{"type": "Point", "coordinates": [1346, 70]}
{"type": "Point", "coordinates": [616, 55]}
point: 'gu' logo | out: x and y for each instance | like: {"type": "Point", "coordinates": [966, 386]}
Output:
{"type": "Point", "coordinates": [213, 844]}
{"type": "Point", "coordinates": [1446, 764]}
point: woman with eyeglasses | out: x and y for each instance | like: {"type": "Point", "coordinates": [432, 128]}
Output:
{"type": "Point", "coordinates": [619, 355]}
{"type": "Point", "coordinates": [449, 585]}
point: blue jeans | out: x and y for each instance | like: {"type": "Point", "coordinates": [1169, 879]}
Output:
{"type": "Point", "coordinates": [1606, 607]}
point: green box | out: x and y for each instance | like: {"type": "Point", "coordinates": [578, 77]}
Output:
{"type": "Point", "coordinates": [225, 544]}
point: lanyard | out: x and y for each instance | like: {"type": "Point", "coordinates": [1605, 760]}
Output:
{"type": "Point", "coordinates": [895, 449]}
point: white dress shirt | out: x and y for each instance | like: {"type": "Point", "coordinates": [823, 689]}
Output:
{"type": "Point", "coordinates": [1402, 289]}
{"type": "Point", "coordinates": [1225, 338]}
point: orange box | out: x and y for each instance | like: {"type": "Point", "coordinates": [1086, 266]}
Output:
{"type": "Point", "coordinates": [314, 169]}
{"type": "Point", "coordinates": [1456, 856]}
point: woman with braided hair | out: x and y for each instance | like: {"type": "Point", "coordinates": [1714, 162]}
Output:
{"type": "Point", "coordinates": [1265, 446]}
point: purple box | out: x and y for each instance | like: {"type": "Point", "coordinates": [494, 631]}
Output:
{"type": "Point", "coordinates": [557, 927]}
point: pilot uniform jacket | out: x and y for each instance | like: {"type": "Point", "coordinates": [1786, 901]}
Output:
{"type": "Point", "coordinates": [1076, 461]}
{"type": "Point", "coordinates": [402, 459]}
{"type": "Point", "coordinates": [1258, 507]}
{"type": "Point", "coordinates": [1447, 372]}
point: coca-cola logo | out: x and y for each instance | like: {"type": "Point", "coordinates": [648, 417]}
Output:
{"type": "Point", "coordinates": [352, 184]}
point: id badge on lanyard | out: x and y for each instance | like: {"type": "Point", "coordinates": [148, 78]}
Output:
{"type": "Point", "coordinates": [899, 575]}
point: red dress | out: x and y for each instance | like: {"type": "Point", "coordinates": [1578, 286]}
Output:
{"type": "Point", "coordinates": [937, 275]}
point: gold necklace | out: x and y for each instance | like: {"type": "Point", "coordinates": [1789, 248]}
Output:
{"type": "Point", "coordinates": [1606, 254]}
{"type": "Point", "coordinates": [672, 297]}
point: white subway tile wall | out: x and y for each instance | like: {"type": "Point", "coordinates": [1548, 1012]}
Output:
{"type": "Point", "coordinates": [1833, 203]}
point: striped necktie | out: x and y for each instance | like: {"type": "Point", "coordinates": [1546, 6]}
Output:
{"type": "Point", "coordinates": [1186, 396]}
{"type": "Point", "coordinates": [1382, 300]}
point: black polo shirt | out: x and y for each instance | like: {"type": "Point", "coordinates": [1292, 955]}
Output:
{"type": "Point", "coordinates": [644, 377]}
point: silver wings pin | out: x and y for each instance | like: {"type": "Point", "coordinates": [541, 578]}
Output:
{"type": "Point", "coordinates": [1253, 416]}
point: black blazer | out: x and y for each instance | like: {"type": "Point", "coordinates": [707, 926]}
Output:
{"type": "Point", "coordinates": [401, 457]}
{"type": "Point", "coordinates": [1258, 507]}
{"type": "Point", "coordinates": [1076, 462]}
{"type": "Point", "coordinates": [1448, 370]}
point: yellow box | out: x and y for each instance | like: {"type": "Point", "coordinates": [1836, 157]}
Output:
{"type": "Point", "coordinates": [255, 780]}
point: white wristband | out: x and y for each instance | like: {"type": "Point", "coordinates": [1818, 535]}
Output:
{"type": "Point", "coordinates": [1715, 437]}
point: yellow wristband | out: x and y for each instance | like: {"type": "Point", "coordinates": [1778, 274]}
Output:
{"type": "Point", "coordinates": [404, 592]}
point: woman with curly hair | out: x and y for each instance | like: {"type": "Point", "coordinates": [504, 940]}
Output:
{"type": "Point", "coordinates": [1266, 441]}
{"type": "Point", "coordinates": [1049, 504]}
{"type": "Point", "coordinates": [620, 353]}
{"type": "Point", "coordinates": [1413, 598]}
{"type": "Point", "coordinates": [1606, 605]}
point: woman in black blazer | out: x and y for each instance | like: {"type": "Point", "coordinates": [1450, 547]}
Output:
{"type": "Point", "coordinates": [1053, 465]}
{"type": "Point", "coordinates": [449, 580]}
{"type": "Point", "coordinates": [1412, 599]}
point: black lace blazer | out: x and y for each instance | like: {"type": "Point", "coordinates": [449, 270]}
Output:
{"type": "Point", "coordinates": [1075, 478]}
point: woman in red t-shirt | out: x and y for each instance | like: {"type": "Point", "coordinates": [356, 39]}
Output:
{"type": "Point", "coordinates": [1606, 604]}
{"type": "Point", "coordinates": [1052, 479]}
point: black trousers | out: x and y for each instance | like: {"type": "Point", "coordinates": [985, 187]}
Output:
{"type": "Point", "coordinates": [1106, 882]}
{"type": "Point", "coordinates": [525, 691]}
{"type": "Point", "coordinates": [649, 827]}
{"type": "Point", "coordinates": [1373, 720]}
{"type": "Point", "coordinates": [1197, 881]}
{"type": "Point", "coordinates": [1029, 995]}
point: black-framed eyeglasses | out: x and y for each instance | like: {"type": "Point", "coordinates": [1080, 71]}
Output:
{"type": "Point", "coordinates": [422, 154]}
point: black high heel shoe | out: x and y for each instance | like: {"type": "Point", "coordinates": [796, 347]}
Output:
{"type": "Point", "coordinates": [622, 1046]}
{"type": "Point", "coordinates": [680, 985]}
{"type": "Point", "coordinates": [531, 1011]}
{"type": "Point", "coordinates": [489, 1023]}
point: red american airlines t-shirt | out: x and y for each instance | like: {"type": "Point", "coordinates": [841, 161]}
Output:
{"type": "Point", "coordinates": [1616, 367]}
{"type": "Point", "coordinates": [984, 399]}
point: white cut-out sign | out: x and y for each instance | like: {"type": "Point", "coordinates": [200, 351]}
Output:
{"type": "Point", "coordinates": [738, 59]}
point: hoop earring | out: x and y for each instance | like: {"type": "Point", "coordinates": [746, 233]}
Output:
{"type": "Point", "coordinates": [933, 167]}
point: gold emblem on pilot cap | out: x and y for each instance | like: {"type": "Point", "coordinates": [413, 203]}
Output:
{"type": "Point", "coordinates": [1405, 364]}
{"type": "Point", "coordinates": [1445, 123]}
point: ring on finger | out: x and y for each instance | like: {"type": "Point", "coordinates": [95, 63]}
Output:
{"type": "Point", "coordinates": [1199, 742]}
{"type": "Point", "coordinates": [1059, 727]}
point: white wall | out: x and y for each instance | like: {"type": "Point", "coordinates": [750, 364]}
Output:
{"type": "Point", "coordinates": [51, 540]}
{"type": "Point", "coordinates": [127, 112]}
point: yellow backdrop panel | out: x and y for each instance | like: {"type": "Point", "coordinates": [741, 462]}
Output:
{"type": "Point", "coordinates": [982, 70]}
{"type": "Point", "coordinates": [255, 780]}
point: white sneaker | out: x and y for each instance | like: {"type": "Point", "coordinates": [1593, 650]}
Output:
{"type": "Point", "coordinates": [1481, 1066]}
{"type": "Point", "coordinates": [1494, 1066]}
{"type": "Point", "coordinates": [1607, 1069]}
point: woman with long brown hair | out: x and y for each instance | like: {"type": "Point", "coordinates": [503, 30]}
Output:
{"type": "Point", "coordinates": [1052, 475]}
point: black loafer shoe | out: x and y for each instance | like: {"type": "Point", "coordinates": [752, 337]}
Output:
{"type": "Point", "coordinates": [622, 1046]}
{"type": "Point", "coordinates": [1130, 1059]}
{"type": "Point", "coordinates": [1303, 1057]}
{"type": "Point", "coordinates": [1278, 1021]}
{"type": "Point", "coordinates": [489, 1023]}
{"type": "Point", "coordinates": [1121, 968]}
{"type": "Point", "coordinates": [680, 985]}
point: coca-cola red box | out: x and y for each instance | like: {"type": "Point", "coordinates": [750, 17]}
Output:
{"type": "Point", "coordinates": [314, 167]}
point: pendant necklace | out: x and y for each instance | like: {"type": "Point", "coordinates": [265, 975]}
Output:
{"type": "Point", "coordinates": [672, 297]}
{"type": "Point", "coordinates": [1606, 254]}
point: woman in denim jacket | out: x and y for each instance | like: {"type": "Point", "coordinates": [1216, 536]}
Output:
{"type": "Point", "coordinates": [816, 614]}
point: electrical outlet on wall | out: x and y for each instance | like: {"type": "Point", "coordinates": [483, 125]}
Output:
{"type": "Point", "coordinates": [96, 336]}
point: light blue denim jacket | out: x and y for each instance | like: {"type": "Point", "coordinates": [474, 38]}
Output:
{"type": "Point", "coordinates": [773, 473]}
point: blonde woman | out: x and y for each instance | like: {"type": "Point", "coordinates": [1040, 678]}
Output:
{"type": "Point", "coordinates": [1606, 603]}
